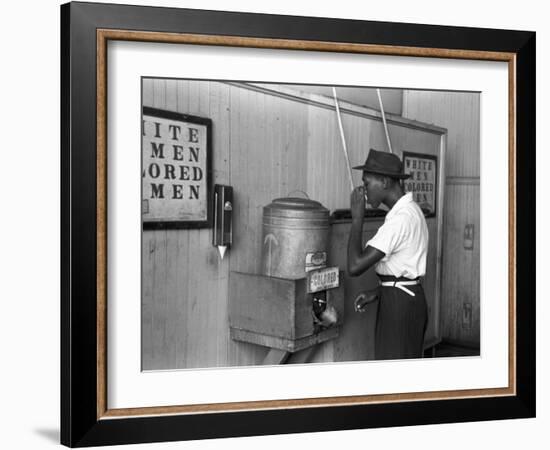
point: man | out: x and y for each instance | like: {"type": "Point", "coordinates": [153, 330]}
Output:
{"type": "Point", "coordinates": [398, 254]}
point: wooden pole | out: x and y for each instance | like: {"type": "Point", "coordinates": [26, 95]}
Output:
{"type": "Point", "coordinates": [384, 119]}
{"type": "Point", "coordinates": [343, 138]}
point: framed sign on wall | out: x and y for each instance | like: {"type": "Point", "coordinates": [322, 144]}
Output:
{"type": "Point", "coordinates": [423, 180]}
{"type": "Point", "coordinates": [176, 170]}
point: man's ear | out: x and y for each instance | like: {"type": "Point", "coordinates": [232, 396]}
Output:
{"type": "Point", "coordinates": [386, 182]}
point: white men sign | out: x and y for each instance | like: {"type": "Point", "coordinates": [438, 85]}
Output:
{"type": "Point", "coordinates": [175, 169]}
{"type": "Point", "coordinates": [423, 180]}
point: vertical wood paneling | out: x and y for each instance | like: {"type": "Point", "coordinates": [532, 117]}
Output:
{"type": "Point", "coordinates": [459, 113]}
{"type": "Point", "coordinates": [328, 179]}
{"type": "Point", "coordinates": [147, 92]}
{"type": "Point", "coordinates": [159, 93]}
{"type": "Point", "coordinates": [314, 156]}
{"type": "Point", "coordinates": [160, 317]}
{"type": "Point", "coordinates": [254, 130]}
{"type": "Point", "coordinates": [171, 307]}
{"type": "Point", "coordinates": [172, 267]}
{"type": "Point", "coordinates": [193, 328]}
{"type": "Point", "coordinates": [147, 266]}
{"type": "Point", "coordinates": [181, 315]}
{"type": "Point", "coordinates": [377, 137]}
{"type": "Point", "coordinates": [242, 179]}
{"type": "Point", "coordinates": [245, 134]}
{"type": "Point", "coordinates": [359, 138]}
{"type": "Point", "coordinates": [461, 268]}
{"type": "Point", "coordinates": [202, 344]}
{"type": "Point", "coordinates": [208, 268]}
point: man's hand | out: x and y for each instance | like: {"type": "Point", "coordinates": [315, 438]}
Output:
{"type": "Point", "coordinates": [359, 258]}
{"type": "Point", "coordinates": [364, 298]}
{"type": "Point", "coordinates": [357, 203]}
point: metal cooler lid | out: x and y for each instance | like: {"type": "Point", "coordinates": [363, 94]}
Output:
{"type": "Point", "coordinates": [296, 207]}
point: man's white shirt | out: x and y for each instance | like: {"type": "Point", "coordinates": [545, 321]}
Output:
{"type": "Point", "coordinates": [403, 238]}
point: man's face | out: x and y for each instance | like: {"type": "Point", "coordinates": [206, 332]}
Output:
{"type": "Point", "coordinates": [374, 188]}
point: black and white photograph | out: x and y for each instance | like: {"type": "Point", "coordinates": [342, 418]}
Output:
{"type": "Point", "coordinates": [293, 224]}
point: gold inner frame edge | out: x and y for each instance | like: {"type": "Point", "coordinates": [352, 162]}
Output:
{"type": "Point", "coordinates": [103, 36]}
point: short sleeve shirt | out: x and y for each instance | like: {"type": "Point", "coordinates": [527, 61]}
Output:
{"type": "Point", "coordinates": [403, 238]}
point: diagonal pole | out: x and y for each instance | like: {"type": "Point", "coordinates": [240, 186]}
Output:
{"type": "Point", "coordinates": [384, 119]}
{"type": "Point", "coordinates": [345, 148]}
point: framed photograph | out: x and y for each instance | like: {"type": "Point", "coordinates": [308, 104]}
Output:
{"type": "Point", "coordinates": [218, 167]}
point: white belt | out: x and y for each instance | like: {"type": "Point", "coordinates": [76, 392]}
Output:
{"type": "Point", "coordinates": [401, 285]}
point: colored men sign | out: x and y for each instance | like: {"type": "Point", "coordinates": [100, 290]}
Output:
{"type": "Point", "coordinates": [423, 180]}
{"type": "Point", "coordinates": [175, 168]}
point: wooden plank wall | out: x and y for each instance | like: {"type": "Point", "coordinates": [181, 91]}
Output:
{"type": "Point", "coordinates": [265, 146]}
{"type": "Point", "coordinates": [460, 114]}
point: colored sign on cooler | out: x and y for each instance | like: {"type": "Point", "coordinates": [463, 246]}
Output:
{"type": "Point", "coordinates": [323, 279]}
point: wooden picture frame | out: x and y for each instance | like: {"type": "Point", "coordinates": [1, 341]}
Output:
{"type": "Point", "coordinates": [86, 418]}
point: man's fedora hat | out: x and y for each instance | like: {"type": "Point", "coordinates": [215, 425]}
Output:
{"type": "Point", "coordinates": [383, 163]}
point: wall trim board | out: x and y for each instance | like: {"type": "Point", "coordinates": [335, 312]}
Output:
{"type": "Point", "coordinates": [471, 181]}
{"type": "Point", "coordinates": [345, 107]}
